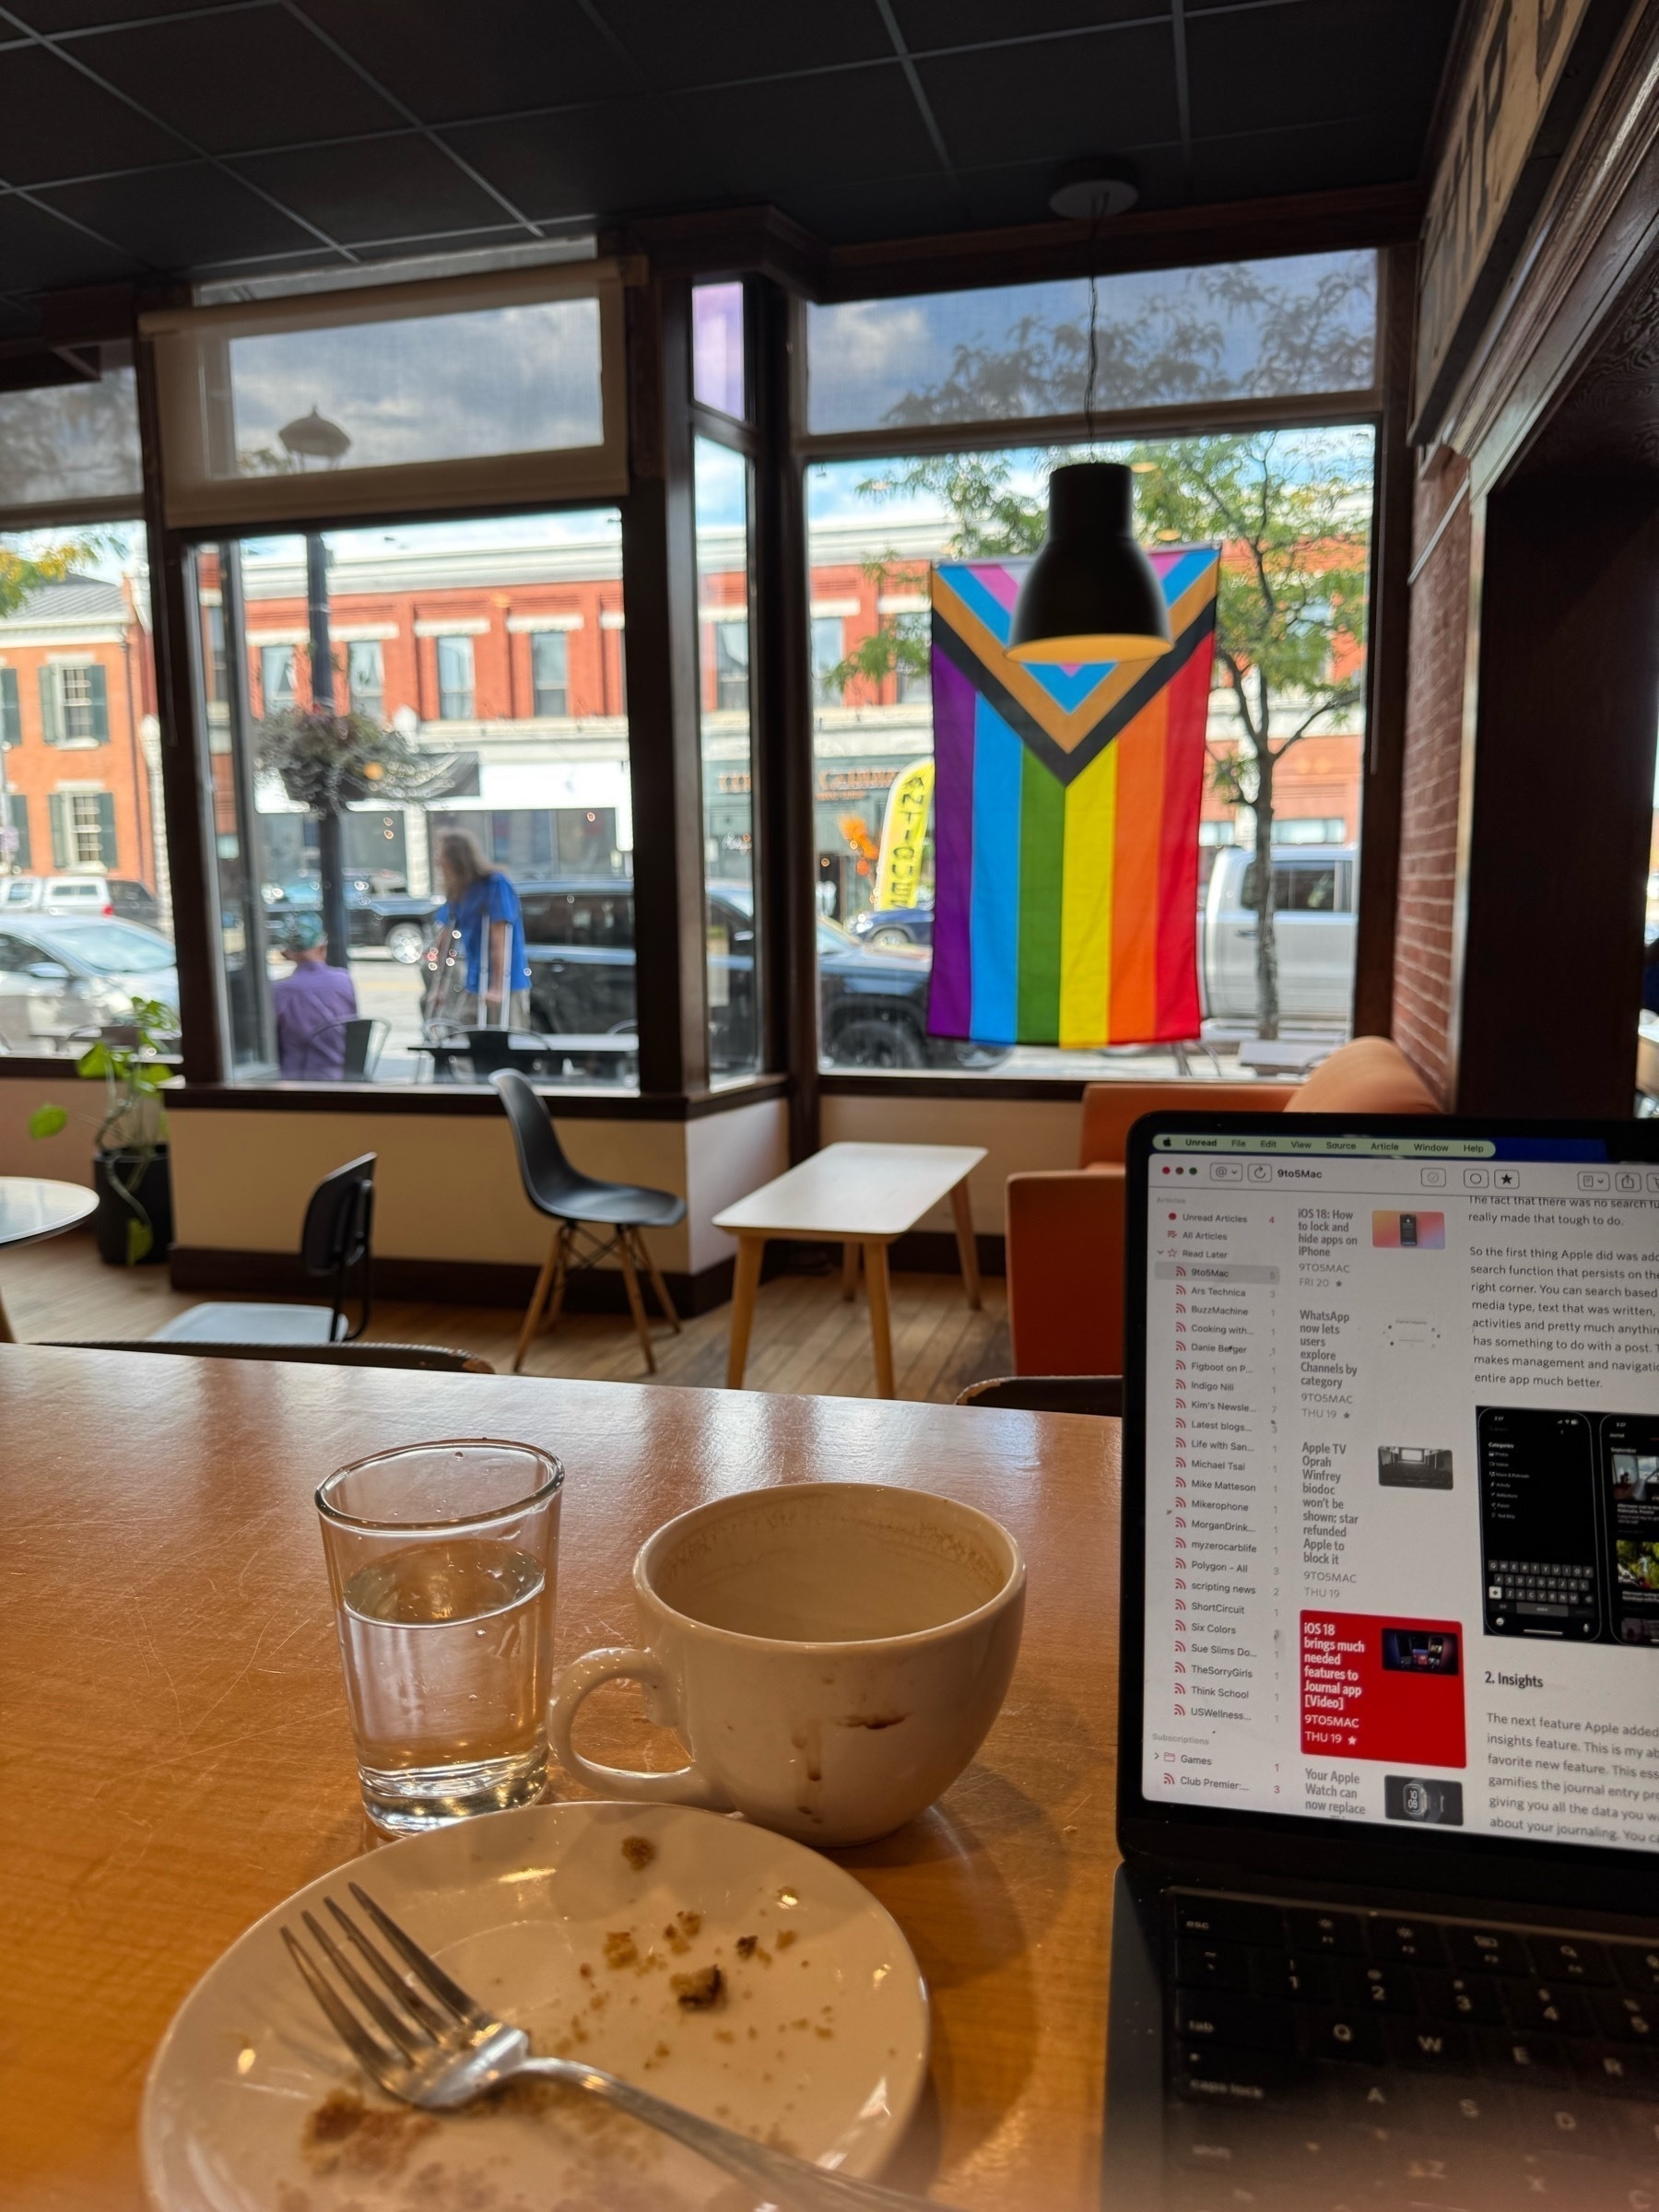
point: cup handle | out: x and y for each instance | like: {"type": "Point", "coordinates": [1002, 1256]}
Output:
{"type": "Point", "coordinates": [685, 1785]}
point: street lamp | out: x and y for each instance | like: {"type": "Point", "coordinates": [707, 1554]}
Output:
{"type": "Point", "coordinates": [313, 439]}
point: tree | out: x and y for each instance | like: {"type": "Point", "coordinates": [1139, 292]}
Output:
{"type": "Point", "coordinates": [1290, 510]}
{"type": "Point", "coordinates": [1294, 529]}
{"type": "Point", "coordinates": [21, 573]}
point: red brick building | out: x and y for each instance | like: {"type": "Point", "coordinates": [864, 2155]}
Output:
{"type": "Point", "coordinates": [78, 729]}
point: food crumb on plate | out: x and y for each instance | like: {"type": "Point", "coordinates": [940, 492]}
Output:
{"type": "Point", "coordinates": [344, 2132]}
{"type": "Point", "coordinates": [786, 1936]}
{"type": "Point", "coordinates": [638, 1851]}
{"type": "Point", "coordinates": [620, 1949]}
{"type": "Point", "coordinates": [700, 1991]}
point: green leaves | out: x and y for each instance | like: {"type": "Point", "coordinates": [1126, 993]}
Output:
{"type": "Point", "coordinates": [140, 1237]}
{"type": "Point", "coordinates": [46, 1120]}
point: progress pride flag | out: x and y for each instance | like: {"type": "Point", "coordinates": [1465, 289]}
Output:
{"type": "Point", "coordinates": [1381, 1686]}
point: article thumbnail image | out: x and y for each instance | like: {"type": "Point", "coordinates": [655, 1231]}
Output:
{"type": "Point", "coordinates": [1638, 1586]}
{"type": "Point", "coordinates": [1408, 1233]}
{"type": "Point", "coordinates": [1414, 1466]}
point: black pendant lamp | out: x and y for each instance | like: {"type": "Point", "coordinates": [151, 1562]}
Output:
{"type": "Point", "coordinates": [1091, 594]}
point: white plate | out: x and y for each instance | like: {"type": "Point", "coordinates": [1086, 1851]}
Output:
{"type": "Point", "coordinates": [821, 2042]}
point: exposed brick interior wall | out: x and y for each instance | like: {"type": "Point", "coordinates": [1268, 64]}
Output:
{"type": "Point", "coordinates": [1440, 611]}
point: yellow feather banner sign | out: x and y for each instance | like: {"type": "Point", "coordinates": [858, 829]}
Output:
{"type": "Point", "coordinates": [903, 834]}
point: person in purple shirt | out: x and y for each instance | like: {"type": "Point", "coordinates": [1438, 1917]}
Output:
{"type": "Point", "coordinates": [312, 1006]}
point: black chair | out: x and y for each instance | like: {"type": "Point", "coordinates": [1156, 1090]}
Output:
{"type": "Point", "coordinates": [582, 1208]}
{"type": "Point", "coordinates": [428, 1359]}
{"type": "Point", "coordinates": [334, 1242]}
{"type": "Point", "coordinates": [1102, 1394]}
{"type": "Point", "coordinates": [365, 1041]}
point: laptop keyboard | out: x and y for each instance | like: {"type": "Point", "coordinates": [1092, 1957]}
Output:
{"type": "Point", "coordinates": [1324, 2061]}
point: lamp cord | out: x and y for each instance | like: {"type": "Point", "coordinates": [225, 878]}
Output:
{"type": "Point", "coordinates": [1088, 389]}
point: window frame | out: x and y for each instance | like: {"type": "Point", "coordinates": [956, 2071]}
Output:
{"type": "Point", "coordinates": [539, 687]}
{"type": "Point", "coordinates": [176, 342]}
{"type": "Point", "coordinates": [1380, 408]}
{"type": "Point", "coordinates": [447, 692]}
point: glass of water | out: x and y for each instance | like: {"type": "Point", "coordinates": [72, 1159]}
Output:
{"type": "Point", "coordinates": [444, 1558]}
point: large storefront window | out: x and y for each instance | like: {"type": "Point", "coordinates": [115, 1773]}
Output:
{"type": "Point", "coordinates": [1033, 893]}
{"type": "Point", "coordinates": [460, 772]}
{"type": "Point", "coordinates": [86, 910]}
{"type": "Point", "coordinates": [1291, 512]}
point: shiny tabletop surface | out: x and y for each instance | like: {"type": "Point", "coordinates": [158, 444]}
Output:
{"type": "Point", "coordinates": [32, 1207]}
{"type": "Point", "coordinates": [177, 1760]}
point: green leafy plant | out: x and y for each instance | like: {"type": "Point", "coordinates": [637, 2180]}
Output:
{"type": "Point", "coordinates": [134, 1121]}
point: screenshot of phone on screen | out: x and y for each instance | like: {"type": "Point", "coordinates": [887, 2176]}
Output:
{"type": "Point", "coordinates": [1537, 1524]}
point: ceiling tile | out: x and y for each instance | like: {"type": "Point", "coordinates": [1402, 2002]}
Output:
{"type": "Point", "coordinates": [379, 188]}
{"type": "Point", "coordinates": [506, 56]}
{"type": "Point", "coordinates": [1364, 151]}
{"type": "Point", "coordinates": [56, 122]}
{"type": "Point", "coordinates": [36, 249]}
{"type": "Point", "coordinates": [233, 82]}
{"type": "Point", "coordinates": [930, 23]}
{"type": "Point", "coordinates": [1315, 59]}
{"type": "Point", "coordinates": [607, 161]}
{"type": "Point", "coordinates": [804, 130]}
{"type": "Point", "coordinates": [1108, 93]}
{"type": "Point", "coordinates": [180, 219]}
{"type": "Point", "coordinates": [676, 45]}
{"type": "Point", "coordinates": [845, 215]}
{"type": "Point", "coordinates": [82, 15]}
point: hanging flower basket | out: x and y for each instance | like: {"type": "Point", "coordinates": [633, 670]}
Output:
{"type": "Point", "coordinates": [325, 761]}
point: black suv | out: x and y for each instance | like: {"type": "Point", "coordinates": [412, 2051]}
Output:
{"type": "Point", "coordinates": [398, 920]}
{"type": "Point", "coordinates": [872, 1005]}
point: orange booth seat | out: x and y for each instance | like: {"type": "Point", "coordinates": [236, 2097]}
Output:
{"type": "Point", "coordinates": [1065, 1228]}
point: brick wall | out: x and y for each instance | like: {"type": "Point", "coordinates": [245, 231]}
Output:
{"type": "Point", "coordinates": [1434, 708]}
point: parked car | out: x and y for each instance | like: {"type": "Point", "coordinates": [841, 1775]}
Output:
{"type": "Point", "coordinates": [118, 894]}
{"type": "Point", "coordinates": [401, 921]}
{"type": "Point", "coordinates": [893, 925]}
{"type": "Point", "coordinates": [872, 1004]}
{"type": "Point", "coordinates": [61, 974]}
{"type": "Point", "coordinates": [1314, 924]}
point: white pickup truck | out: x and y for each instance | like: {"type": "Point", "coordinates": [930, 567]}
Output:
{"type": "Point", "coordinates": [1314, 909]}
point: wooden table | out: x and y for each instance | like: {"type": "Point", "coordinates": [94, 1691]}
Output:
{"type": "Point", "coordinates": [860, 1196]}
{"type": "Point", "coordinates": [172, 1723]}
{"type": "Point", "coordinates": [33, 1209]}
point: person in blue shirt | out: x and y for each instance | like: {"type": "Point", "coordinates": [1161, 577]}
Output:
{"type": "Point", "coordinates": [482, 908]}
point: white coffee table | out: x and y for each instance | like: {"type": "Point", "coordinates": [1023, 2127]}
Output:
{"type": "Point", "coordinates": [860, 1196]}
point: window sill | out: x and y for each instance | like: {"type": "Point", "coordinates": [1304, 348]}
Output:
{"type": "Point", "coordinates": [464, 1100]}
{"type": "Point", "coordinates": [931, 1084]}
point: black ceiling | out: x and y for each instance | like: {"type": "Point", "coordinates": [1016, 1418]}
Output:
{"type": "Point", "coordinates": [147, 136]}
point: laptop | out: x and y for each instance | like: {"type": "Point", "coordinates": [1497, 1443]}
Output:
{"type": "Point", "coordinates": [1386, 1933]}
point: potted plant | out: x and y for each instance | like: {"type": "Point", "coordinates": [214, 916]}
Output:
{"type": "Point", "coordinates": [130, 1171]}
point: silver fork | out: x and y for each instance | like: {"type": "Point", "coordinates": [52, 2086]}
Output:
{"type": "Point", "coordinates": [442, 2055]}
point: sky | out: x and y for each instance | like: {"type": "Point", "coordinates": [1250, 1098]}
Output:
{"type": "Point", "coordinates": [867, 356]}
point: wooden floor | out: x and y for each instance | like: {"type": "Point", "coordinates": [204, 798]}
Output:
{"type": "Point", "coordinates": [805, 1338]}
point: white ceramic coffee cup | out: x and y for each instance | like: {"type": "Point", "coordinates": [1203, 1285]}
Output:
{"type": "Point", "coordinates": [830, 1653]}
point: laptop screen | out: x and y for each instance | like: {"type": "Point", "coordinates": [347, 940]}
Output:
{"type": "Point", "coordinates": [1400, 1408]}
